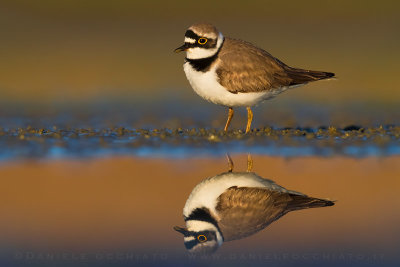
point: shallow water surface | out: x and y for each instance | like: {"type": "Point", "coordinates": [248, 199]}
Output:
{"type": "Point", "coordinates": [121, 211]}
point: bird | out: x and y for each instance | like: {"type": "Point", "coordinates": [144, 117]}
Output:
{"type": "Point", "coordinates": [234, 205]}
{"type": "Point", "coordinates": [236, 73]}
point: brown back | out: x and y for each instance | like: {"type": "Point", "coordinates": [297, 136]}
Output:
{"type": "Point", "coordinates": [244, 67]}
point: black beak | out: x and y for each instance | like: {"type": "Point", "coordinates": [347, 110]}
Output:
{"type": "Point", "coordinates": [180, 230]}
{"type": "Point", "coordinates": [181, 48]}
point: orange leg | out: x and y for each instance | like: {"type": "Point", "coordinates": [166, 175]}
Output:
{"type": "Point", "coordinates": [249, 119]}
{"type": "Point", "coordinates": [230, 115]}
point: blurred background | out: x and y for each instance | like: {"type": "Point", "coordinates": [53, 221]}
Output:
{"type": "Point", "coordinates": [86, 52]}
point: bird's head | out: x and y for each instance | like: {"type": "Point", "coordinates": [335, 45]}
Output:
{"type": "Point", "coordinates": [202, 40]}
{"type": "Point", "coordinates": [200, 237]}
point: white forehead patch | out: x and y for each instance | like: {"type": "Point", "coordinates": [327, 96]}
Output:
{"type": "Point", "coordinates": [188, 238]}
{"type": "Point", "coordinates": [190, 40]}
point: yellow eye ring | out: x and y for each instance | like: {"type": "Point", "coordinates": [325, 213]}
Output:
{"type": "Point", "coordinates": [202, 41]}
{"type": "Point", "coordinates": [202, 238]}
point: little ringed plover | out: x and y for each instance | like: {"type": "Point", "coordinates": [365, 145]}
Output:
{"type": "Point", "coordinates": [235, 73]}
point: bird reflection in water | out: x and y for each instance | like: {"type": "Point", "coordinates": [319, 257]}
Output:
{"type": "Point", "coordinates": [233, 205]}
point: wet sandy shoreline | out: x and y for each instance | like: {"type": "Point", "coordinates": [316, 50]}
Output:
{"type": "Point", "coordinates": [55, 142]}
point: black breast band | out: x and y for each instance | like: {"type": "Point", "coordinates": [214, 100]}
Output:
{"type": "Point", "coordinates": [203, 64]}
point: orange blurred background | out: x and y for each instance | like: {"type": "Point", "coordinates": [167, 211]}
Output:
{"type": "Point", "coordinates": [83, 51]}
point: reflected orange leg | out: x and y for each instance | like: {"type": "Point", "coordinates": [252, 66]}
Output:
{"type": "Point", "coordinates": [230, 163]}
{"type": "Point", "coordinates": [249, 119]}
{"type": "Point", "coordinates": [230, 115]}
{"type": "Point", "coordinates": [249, 163]}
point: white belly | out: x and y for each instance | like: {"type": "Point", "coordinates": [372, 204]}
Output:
{"type": "Point", "coordinates": [206, 85]}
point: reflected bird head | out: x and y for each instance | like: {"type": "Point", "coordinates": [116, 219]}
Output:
{"type": "Point", "coordinates": [204, 241]}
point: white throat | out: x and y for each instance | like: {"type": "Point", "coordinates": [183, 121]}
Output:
{"type": "Point", "coordinates": [198, 52]}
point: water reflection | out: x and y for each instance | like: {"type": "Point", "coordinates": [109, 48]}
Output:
{"type": "Point", "coordinates": [234, 205]}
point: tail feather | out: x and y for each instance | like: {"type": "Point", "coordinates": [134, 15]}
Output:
{"type": "Point", "coordinates": [300, 202]}
{"type": "Point", "coordinates": [300, 76]}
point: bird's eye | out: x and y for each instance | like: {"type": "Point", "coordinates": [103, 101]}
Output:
{"type": "Point", "coordinates": [202, 41]}
{"type": "Point", "coordinates": [202, 238]}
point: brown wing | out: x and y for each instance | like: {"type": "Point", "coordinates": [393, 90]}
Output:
{"type": "Point", "coordinates": [245, 210]}
{"type": "Point", "coordinates": [246, 68]}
